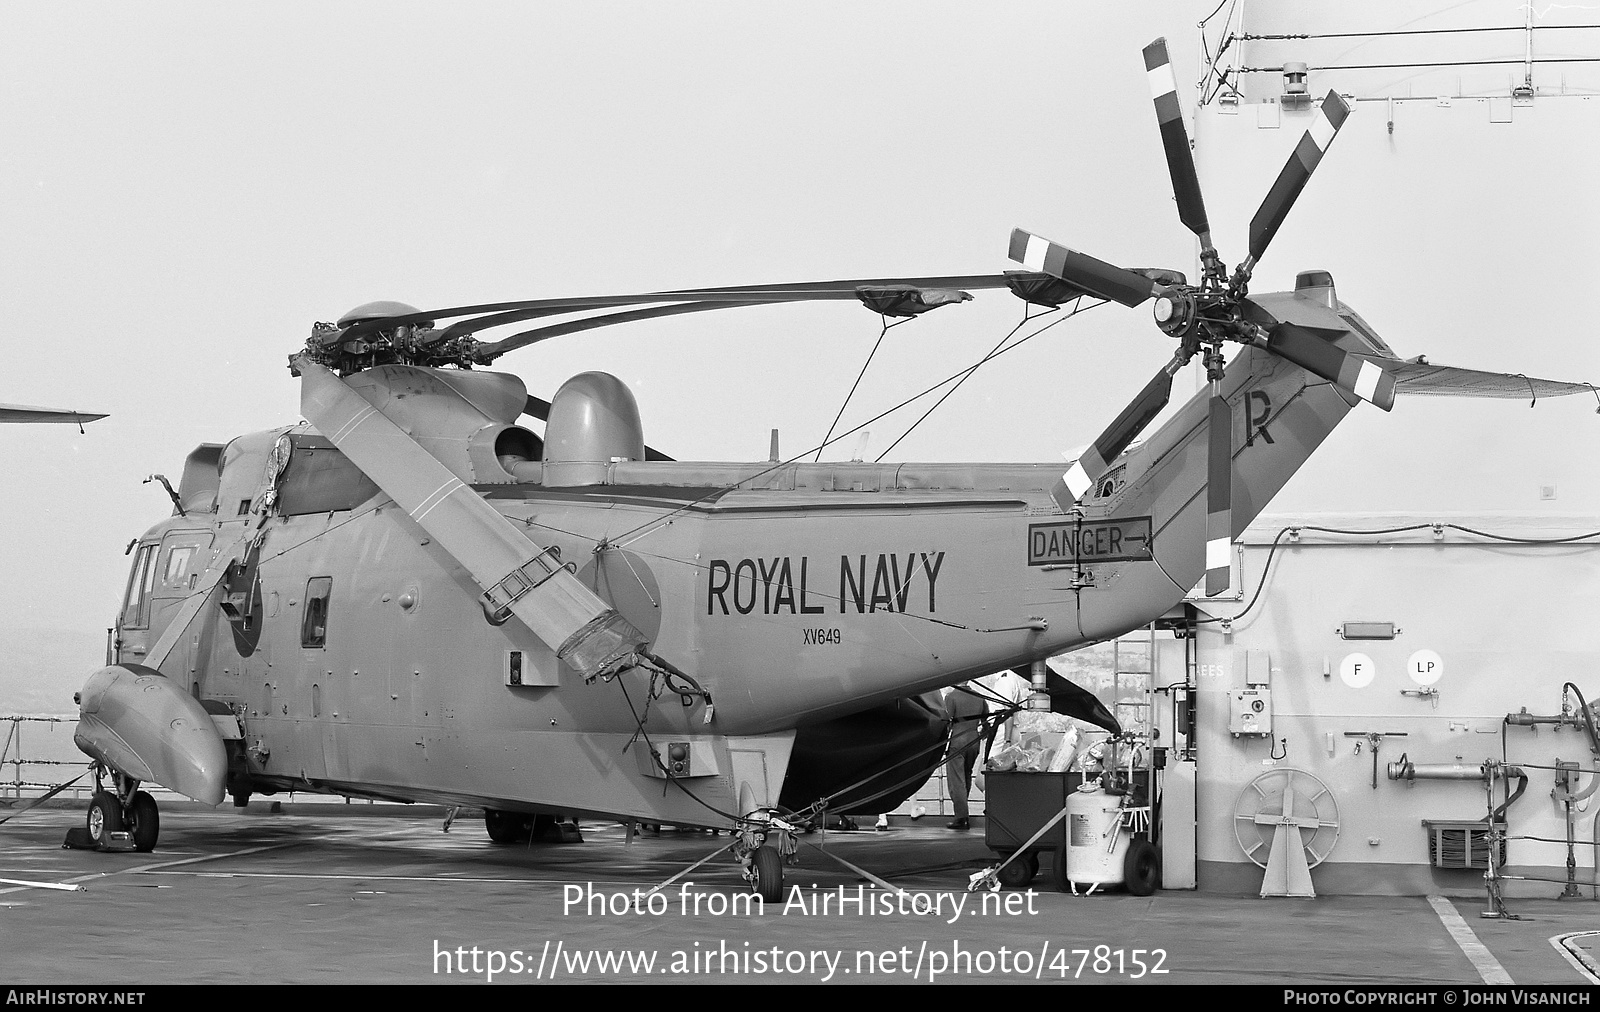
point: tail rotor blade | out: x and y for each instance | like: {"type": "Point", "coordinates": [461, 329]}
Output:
{"type": "Point", "coordinates": [1180, 159]}
{"type": "Point", "coordinates": [1351, 373]}
{"type": "Point", "coordinates": [1219, 495]}
{"type": "Point", "coordinates": [1097, 459]}
{"type": "Point", "coordinates": [1330, 117]}
{"type": "Point", "coordinates": [1096, 277]}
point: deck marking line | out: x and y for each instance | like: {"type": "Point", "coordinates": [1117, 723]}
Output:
{"type": "Point", "coordinates": [1482, 959]}
{"type": "Point", "coordinates": [65, 886]}
{"type": "Point", "coordinates": [166, 864]}
{"type": "Point", "coordinates": [1567, 945]}
{"type": "Point", "coordinates": [317, 876]}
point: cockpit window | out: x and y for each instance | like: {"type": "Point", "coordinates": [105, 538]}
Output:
{"type": "Point", "coordinates": [136, 606]}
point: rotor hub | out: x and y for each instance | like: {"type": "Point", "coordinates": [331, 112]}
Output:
{"type": "Point", "coordinates": [1175, 312]}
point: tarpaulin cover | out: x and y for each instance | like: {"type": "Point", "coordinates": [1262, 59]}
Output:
{"type": "Point", "coordinates": [1073, 700]}
{"type": "Point", "coordinates": [1041, 289]}
{"type": "Point", "coordinates": [907, 300]}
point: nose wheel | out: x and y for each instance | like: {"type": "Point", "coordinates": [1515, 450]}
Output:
{"type": "Point", "coordinates": [120, 819]}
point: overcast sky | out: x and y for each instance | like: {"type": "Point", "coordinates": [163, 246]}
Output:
{"type": "Point", "coordinates": [185, 188]}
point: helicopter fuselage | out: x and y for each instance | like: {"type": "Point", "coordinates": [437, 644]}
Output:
{"type": "Point", "coordinates": [358, 657]}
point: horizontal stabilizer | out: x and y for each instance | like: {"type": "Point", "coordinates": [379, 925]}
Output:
{"type": "Point", "coordinates": [1422, 378]}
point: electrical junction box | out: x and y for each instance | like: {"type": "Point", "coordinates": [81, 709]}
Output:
{"type": "Point", "coordinates": [695, 757]}
{"type": "Point", "coordinates": [1250, 712]}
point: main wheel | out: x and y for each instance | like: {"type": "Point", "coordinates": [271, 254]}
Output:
{"type": "Point", "coordinates": [1141, 867]}
{"type": "Point", "coordinates": [507, 827]}
{"type": "Point", "coordinates": [1020, 871]}
{"type": "Point", "coordinates": [105, 817]}
{"type": "Point", "coordinates": [767, 866]}
{"type": "Point", "coordinates": [144, 822]}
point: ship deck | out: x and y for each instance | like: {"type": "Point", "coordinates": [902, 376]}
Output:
{"type": "Point", "coordinates": [319, 893]}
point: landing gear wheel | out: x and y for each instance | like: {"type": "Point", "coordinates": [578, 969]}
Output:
{"type": "Point", "coordinates": [507, 827]}
{"type": "Point", "coordinates": [1141, 867]}
{"type": "Point", "coordinates": [766, 874]}
{"type": "Point", "coordinates": [105, 817]}
{"type": "Point", "coordinates": [144, 822]}
{"type": "Point", "coordinates": [1058, 870]}
{"type": "Point", "coordinates": [1020, 871]}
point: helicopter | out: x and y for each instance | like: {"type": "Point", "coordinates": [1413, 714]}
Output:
{"type": "Point", "coordinates": [413, 596]}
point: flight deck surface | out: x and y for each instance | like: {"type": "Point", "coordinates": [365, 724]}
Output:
{"type": "Point", "coordinates": [357, 894]}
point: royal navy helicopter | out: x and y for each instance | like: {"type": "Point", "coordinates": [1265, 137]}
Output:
{"type": "Point", "coordinates": [413, 596]}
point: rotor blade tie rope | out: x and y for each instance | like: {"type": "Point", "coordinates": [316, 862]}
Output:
{"type": "Point", "coordinates": [881, 334]}
{"type": "Point", "coordinates": [667, 517]}
{"type": "Point", "coordinates": [966, 375]}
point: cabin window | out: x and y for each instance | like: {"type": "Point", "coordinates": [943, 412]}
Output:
{"type": "Point", "coordinates": [314, 627]}
{"type": "Point", "coordinates": [177, 569]}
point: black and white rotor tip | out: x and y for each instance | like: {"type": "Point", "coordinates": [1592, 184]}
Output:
{"type": "Point", "coordinates": [1353, 373]}
{"type": "Point", "coordinates": [1296, 171]}
{"type": "Point", "coordinates": [1219, 495]}
{"type": "Point", "coordinates": [1078, 479]}
{"type": "Point", "coordinates": [1098, 278]}
{"type": "Point", "coordinates": [1175, 141]}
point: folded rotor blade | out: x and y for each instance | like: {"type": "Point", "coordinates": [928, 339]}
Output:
{"type": "Point", "coordinates": [1219, 495]}
{"type": "Point", "coordinates": [1330, 117]}
{"type": "Point", "coordinates": [492, 350]}
{"type": "Point", "coordinates": [1096, 277]}
{"type": "Point", "coordinates": [1180, 159]}
{"type": "Point", "coordinates": [1097, 459]}
{"type": "Point", "coordinates": [1352, 373]}
{"type": "Point", "coordinates": [518, 577]}
{"type": "Point", "coordinates": [498, 314]}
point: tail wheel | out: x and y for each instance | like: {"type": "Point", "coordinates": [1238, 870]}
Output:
{"type": "Point", "coordinates": [105, 817]}
{"type": "Point", "coordinates": [1141, 867]}
{"type": "Point", "coordinates": [144, 822]}
{"type": "Point", "coordinates": [766, 867]}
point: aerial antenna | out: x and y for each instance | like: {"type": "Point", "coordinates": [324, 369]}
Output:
{"type": "Point", "coordinates": [177, 503]}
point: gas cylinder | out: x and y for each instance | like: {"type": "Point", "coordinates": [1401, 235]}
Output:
{"type": "Point", "coordinates": [1096, 846]}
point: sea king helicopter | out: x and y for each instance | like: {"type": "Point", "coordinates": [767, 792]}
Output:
{"type": "Point", "coordinates": [413, 596]}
